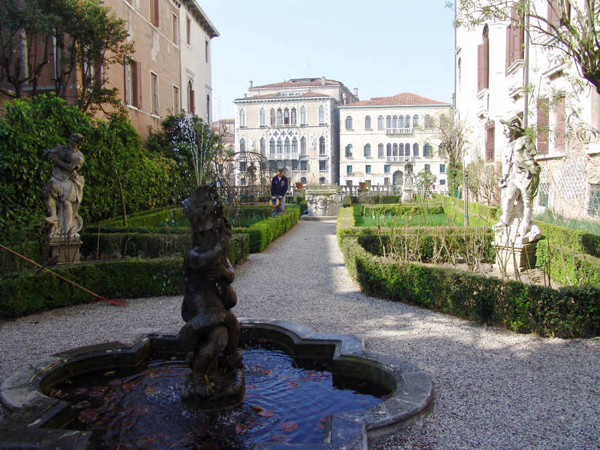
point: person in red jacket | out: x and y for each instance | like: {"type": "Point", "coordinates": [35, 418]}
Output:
{"type": "Point", "coordinates": [279, 187]}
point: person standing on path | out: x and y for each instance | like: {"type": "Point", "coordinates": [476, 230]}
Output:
{"type": "Point", "coordinates": [279, 187]}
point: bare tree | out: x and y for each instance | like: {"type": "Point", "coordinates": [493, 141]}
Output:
{"type": "Point", "coordinates": [453, 134]}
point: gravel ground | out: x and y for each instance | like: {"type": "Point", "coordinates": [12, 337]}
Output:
{"type": "Point", "coordinates": [493, 388]}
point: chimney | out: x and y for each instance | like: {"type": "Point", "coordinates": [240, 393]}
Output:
{"type": "Point", "coordinates": [323, 81]}
{"type": "Point", "coordinates": [356, 93]}
{"type": "Point", "coordinates": [250, 83]}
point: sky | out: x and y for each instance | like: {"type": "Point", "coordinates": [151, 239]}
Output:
{"type": "Point", "coordinates": [381, 47]}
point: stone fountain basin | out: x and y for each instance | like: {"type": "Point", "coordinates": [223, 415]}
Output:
{"type": "Point", "coordinates": [37, 421]}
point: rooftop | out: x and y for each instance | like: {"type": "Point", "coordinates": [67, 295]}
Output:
{"type": "Point", "coordinates": [403, 99]}
{"type": "Point", "coordinates": [283, 96]}
{"type": "Point", "coordinates": [299, 82]}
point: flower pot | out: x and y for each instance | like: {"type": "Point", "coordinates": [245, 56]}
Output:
{"type": "Point", "coordinates": [299, 185]}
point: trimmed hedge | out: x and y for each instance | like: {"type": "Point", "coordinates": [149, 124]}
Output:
{"type": "Point", "coordinates": [119, 245]}
{"type": "Point", "coordinates": [578, 241]}
{"type": "Point", "coordinates": [27, 292]}
{"type": "Point", "coordinates": [479, 215]}
{"type": "Point", "coordinates": [264, 232]}
{"type": "Point", "coordinates": [566, 266]}
{"type": "Point", "coordinates": [568, 312]}
{"type": "Point", "coordinates": [401, 209]}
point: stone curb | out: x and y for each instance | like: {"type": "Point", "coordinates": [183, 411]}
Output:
{"type": "Point", "coordinates": [36, 419]}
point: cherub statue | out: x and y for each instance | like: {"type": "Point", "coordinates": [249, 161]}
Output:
{"type": "Point", "coordinates": [211, 333]}
{"type": "Point", "coordinates": [65, 187]}
{"type": "Point", "coordinates": [519, 184]}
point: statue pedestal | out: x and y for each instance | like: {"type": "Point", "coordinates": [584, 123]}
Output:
{"type": "Point", "coordinates": [408, 195]}
{"type": "Point", "coordinates": [65, 249]}
{"type": "Point", "coordinates": [514, 253]}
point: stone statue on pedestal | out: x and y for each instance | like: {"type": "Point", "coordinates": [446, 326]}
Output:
{"type": "Point", "coordinates": [519, 185]}
{"type": "Point", "coordinates": [515, 235]}
{"type": "Point", "coordinates": [408, 191]}
{"type": "Point", "coordinates": [211, 333]}
{"type": "Point", "coordinates": [62, 196]}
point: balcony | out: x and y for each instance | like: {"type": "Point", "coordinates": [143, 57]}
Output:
{"type": "Point", "coordinates": [400, 159]}
{"type": "Point", "coordinates": [399, 131]}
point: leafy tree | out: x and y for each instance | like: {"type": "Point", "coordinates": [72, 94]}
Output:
{"type": "Point", "coordinates": [452, 133]}
{"type": "Point", "coordinates": [88, 39]}
{"type": "Point", "coordinates": [573, 27]}
{"type": "Point", "coordinates": [424, 182]}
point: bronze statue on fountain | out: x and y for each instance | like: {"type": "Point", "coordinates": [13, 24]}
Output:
{"type": "Point", "coordinates": [211, 333]}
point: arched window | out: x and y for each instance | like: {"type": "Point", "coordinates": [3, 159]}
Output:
{"type": "Point", "coordinates": [263, 146]}
{"type": "Point", "coordinates": [321, 115]}
{"type": "Point", "coordinates": [303, 116]}
{"type": "Point", "coordinates": [428, 123]}
{"type": "Point", "coordinates": [272, 146]}
{"type": "Point", "coordinates": [272, 116]}
{"type": "Point", "coordinates": [303, 180]}
{"type": "Point", "coordinates": [294, 145]}
{"type": "Point", "coordinates": [242, 147]}
{"type": "Point", "coordinates": [262, 117]}
{"type": "Point", "coordinates": [321, 145]}
{"type": "Point", "coordinates": [380, 123]}
{"type": "Point", "coordinates": [401, 150]}
{"type": "Point", "coordinates": [279, 117]}
{"type": "Point", "coordinates": [191, 103]}
{"type": "Point", "coordinates": [242, 118]}
{"type": "Point", "coordinates": [349, 151]}
{"type": "Point", "coordinates": [398, 178]}
{"type": "Point", "coordinates": [322, 180]}
{"type": "Point", "coordinates": [395, 122]}
{"type": "Point", "coordinates": [286, 116]}
{"type": "Point", "coordinates": [279, 149]}
{"type": "Point", "coordinates": [395, 152]}
{"type": "Point", "coordinates": [388, 122]}
{"type": "Point", "coordinates": [427, 150]}
{"type": "Point", "coordinates": [348, 123]}
{"type": "Point", "coordinates": [483, 61]}
{"type": "Point", "coordinates": [367, 150]}
{"type": "Point", "coordinates": [380, 151]}
{"type": "Point", "coordinates": [293, 116]}
{"type": "Point", "coordinates": [303, 146]}
{"type": "Point", "coordinates": [242, 182]}
{"type": "Point", "coordinates": [415, 149]}
{"type": "Point", "coordinates": [415, 121]}
{"type": "Point", "coordinates": [389, 150]}
{"type": "Point", "coordinates": [368, 122]}
{"type": "Point", "coordinates": [407, 149]}
{"type": "Point", "coordinates": [287, 145]}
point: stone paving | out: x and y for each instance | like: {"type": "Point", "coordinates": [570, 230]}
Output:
{"type": "Point", "coordinates": [493, 388]}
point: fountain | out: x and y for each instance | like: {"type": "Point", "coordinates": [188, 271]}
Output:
{"type": "Point", "coordinates": [296, 388]}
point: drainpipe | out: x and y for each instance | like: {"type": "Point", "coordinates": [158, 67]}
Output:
{"type": "Point", "coordinates": [526, 72]}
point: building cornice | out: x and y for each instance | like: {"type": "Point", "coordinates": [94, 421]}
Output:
{"type": "Point", "coordinates": [201, 17]}
{"type": "Point", "coordinates": [285, 99]}
{"type": "Point", "coordinates": [349, 106]}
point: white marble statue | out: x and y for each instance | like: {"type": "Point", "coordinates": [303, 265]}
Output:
{"type": "Point", "coordinates": [519, 186]}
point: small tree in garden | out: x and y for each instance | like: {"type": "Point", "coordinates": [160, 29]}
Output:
{"type": "Point", "coordinates": [482, 181]}
{"type": "Point", "coordinates": [452, 133]}
{"type": "Point", "coordinates": [425, 181]}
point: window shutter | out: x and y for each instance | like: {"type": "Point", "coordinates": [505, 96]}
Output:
{"type": "Point", "coordinates": [490, 133]}
{"type": "Point", "coordinates": [486, 63]}
{"type": "Point", "coordinates": [509, 44]}
{"type": "Point", "coordinates": [542, 124]}
{"type": "Point", "coordinates": [560, 126]}
{"type": "Point", "coordinates": [553, 16]}
{"type": "Point", "coordinates": [480, 69]}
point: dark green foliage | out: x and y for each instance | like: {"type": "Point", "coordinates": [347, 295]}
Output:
{"type": "Point", "coordinates": [27, 292]}
{"type": "Point", "coordinates": [113, 158]}
{"type": "Point", "coordinates": [568, 312]}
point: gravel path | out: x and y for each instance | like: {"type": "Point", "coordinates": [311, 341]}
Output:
{"type": "Point", "coordinates": [494, 388]}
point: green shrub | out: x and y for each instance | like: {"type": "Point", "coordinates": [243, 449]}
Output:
{"type": "Point", "coordinates": [345, 222]}
{"type": "Point", "coordinates": [565, 266]}
{"type": "Point", "coordinates": [568, 312]}
{"type": "Point", "coordinates": [578, 241]}
{"type": "Point", "coordinates": [347, 201]}
{"type": "Point", "coordinates": [479, 215]}
{"type": "Point", "coordinates": [263, 233]}
{"type": "Point", "coordinates": [30, 292]}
